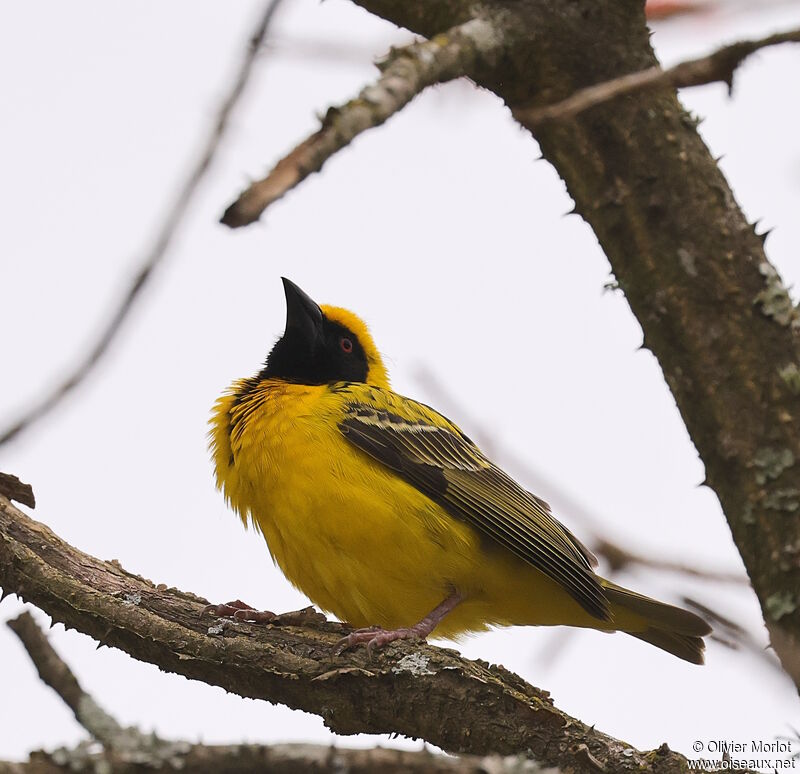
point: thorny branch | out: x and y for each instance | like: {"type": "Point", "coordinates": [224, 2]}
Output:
{"type": "Point", "coordinates": [129, 750]}
{"type": "Point", "coordinates": [713, 310]}
{"type": "Point", "coordinates": [405, 73]}
{"type": "Point", "coordinates": [158, 250]}
{"type": "Point", "coordinates": [409, 688]}
{"type": "Point", "coordinates": [719, 66]}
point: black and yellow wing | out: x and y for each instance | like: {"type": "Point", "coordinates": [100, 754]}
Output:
{"type": "Point", "coordinates": [435, 457]}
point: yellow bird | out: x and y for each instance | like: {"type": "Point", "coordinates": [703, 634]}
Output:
{"type": "Point", "coordinates": [384, 513]}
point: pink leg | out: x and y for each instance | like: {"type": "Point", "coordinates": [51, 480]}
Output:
{"type": "Point", "coordinates": [375, 637]}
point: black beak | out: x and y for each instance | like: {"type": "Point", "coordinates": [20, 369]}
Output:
{"type": "Point", "coordinates": [302, 313]}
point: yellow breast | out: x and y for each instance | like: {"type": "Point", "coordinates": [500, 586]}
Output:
{"type": "Point", "coordinates": [356, 540]}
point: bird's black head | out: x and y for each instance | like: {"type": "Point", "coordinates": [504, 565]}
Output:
{"type": "Point", "coordinates": [315, 349]}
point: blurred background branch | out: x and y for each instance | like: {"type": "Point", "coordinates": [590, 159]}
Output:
{"type": "Point", "coordinates": [719, 66]}
{"type": "Point", "coordinates": [129, 751]}
{"type": "Point", "coordinates": [404, 73]}
{"type": "Point", "coordinates": [173, 220]}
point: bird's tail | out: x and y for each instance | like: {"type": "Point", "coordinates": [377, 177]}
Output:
{"type": "Point", "coordinates": [667, 627]}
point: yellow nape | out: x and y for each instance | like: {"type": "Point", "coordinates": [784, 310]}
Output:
{"type": "Point", "coordinates": [377, 374]}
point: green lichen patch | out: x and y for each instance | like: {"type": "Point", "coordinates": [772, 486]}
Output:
{"type": "Point", "coordinates": [783, 499]}
{"type": "Point", "coordinates": [790, 374]}
{"type": "Point", "coordinates": [781, 603]}
{"type": "Point", "coordinates": [770, 463]}
{"type": "Point", "coordinates": [775, 300]}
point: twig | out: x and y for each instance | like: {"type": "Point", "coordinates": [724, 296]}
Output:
{"type": "Point", "coordinates": [129, 750]}
{"type": "Point", "coordinates": [12, 488]}
{"type": "Point", "coordinates": [620, 558]}
{"type": "Point", "coordinates": [158, 250]}
{"type": "Point", "coordinates": [719, 66]}
{"type": "Point", "coordinates": [731, 634]}
{"type": "Point", "coordinates": [498, 713]}
{"type": "Point", "coordinates": [405, 73]}
{"type": "Point", "coordinates": [55, 673]}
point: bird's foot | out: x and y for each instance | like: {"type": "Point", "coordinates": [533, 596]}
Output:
{"type": "Point", "coordinates": [375, 637]}
{"type": "Point", "coordinates": [241, 611]}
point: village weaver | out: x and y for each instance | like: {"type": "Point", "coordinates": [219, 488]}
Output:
{"type": "Point", "coordinates": [384, 513]}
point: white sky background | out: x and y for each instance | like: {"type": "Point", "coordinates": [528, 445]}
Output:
{"type": "Point", "coordinates": [440, 229]}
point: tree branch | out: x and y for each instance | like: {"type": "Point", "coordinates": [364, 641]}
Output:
{"type": "Point", "coordinates": [713, 309]}
{"type": "Point", "coordinates": [404, 74]}
{"type": "Point", "coordinates": [719, 66]}
{"type": "Point", "coordinates": [276, 759]}
{"type": "Point", "coordinates": [410, 688]}
{"type": "Point", "coordinates": [155, 255]}
{"type": "Point", "coordinates": [129, 750]}
{"type": "Point", "coordinates": [56, 674]}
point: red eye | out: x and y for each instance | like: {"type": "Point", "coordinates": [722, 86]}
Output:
{"type": "Point", "coordinates": [346, 344]}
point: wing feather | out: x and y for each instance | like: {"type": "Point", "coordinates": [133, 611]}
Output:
{"type": "Point", "coordinates": [434, 456]}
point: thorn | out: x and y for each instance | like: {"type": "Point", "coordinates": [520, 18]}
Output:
{"type": "Point", "coordinates": [104, 639]}
{"type": "Point", "coordinates": [764, 235]}
{"type": "Point", "coordinates": [719, 158]}
{"type": "Point", "coordinates": [728, 79]}
{"type": "Point", "coordinates": [5, 593]}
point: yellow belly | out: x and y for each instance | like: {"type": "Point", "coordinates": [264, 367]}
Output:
{"type": "Point", "coordinates": [353, 537]}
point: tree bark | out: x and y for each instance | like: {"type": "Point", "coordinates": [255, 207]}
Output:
{"type": "Point", "coordinates": [408, 688]}
{"type": "Point", "coordinates": [712, 308]}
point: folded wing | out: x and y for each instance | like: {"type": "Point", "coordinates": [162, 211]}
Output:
{"type": "Point", "coordinates": [435, 457]}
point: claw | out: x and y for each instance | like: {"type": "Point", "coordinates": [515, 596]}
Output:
{"type": "Point", "coordinates": [226, 610]}
{"type": "Point", "coordinates": [251, 615]}
{"type": "Point", "coordinates": [241, 611]}
{"type": "Point", "coordinates": [374, 637]}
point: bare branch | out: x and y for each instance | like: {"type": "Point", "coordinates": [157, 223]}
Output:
{"type": "Point", "coordinates": [620, 558]}
{"type": "Point", "coordinates": [405, 73]}
{"type": "Point", "coordinates": [276, 759]}
{"type": "Point", "coordinates": [498, 712]}
{"type": "Point", "coordinates": [155, 255]}
{"type": "Point", "coordinates": [719, 66]}
{"type": "Point", "coordinates": [129, 750]}
{"type": "Point", "coordinates": [55, 673]}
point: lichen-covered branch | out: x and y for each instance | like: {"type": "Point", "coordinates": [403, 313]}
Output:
{"type": "Point", "coordinates": [713, 309]}
{"type": "Point", "coordinates": [719, 66]}
{"type": "Point", "coordinates": [190, 758]}
{"type": "Point", "coordinates": [129, 750]}
{"type": "Point", "coordinates": [404, 74]}
{"type": "Point", "coordinates": [409, 688]}
{"type": "Point", "coordinates": [56, 674]}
